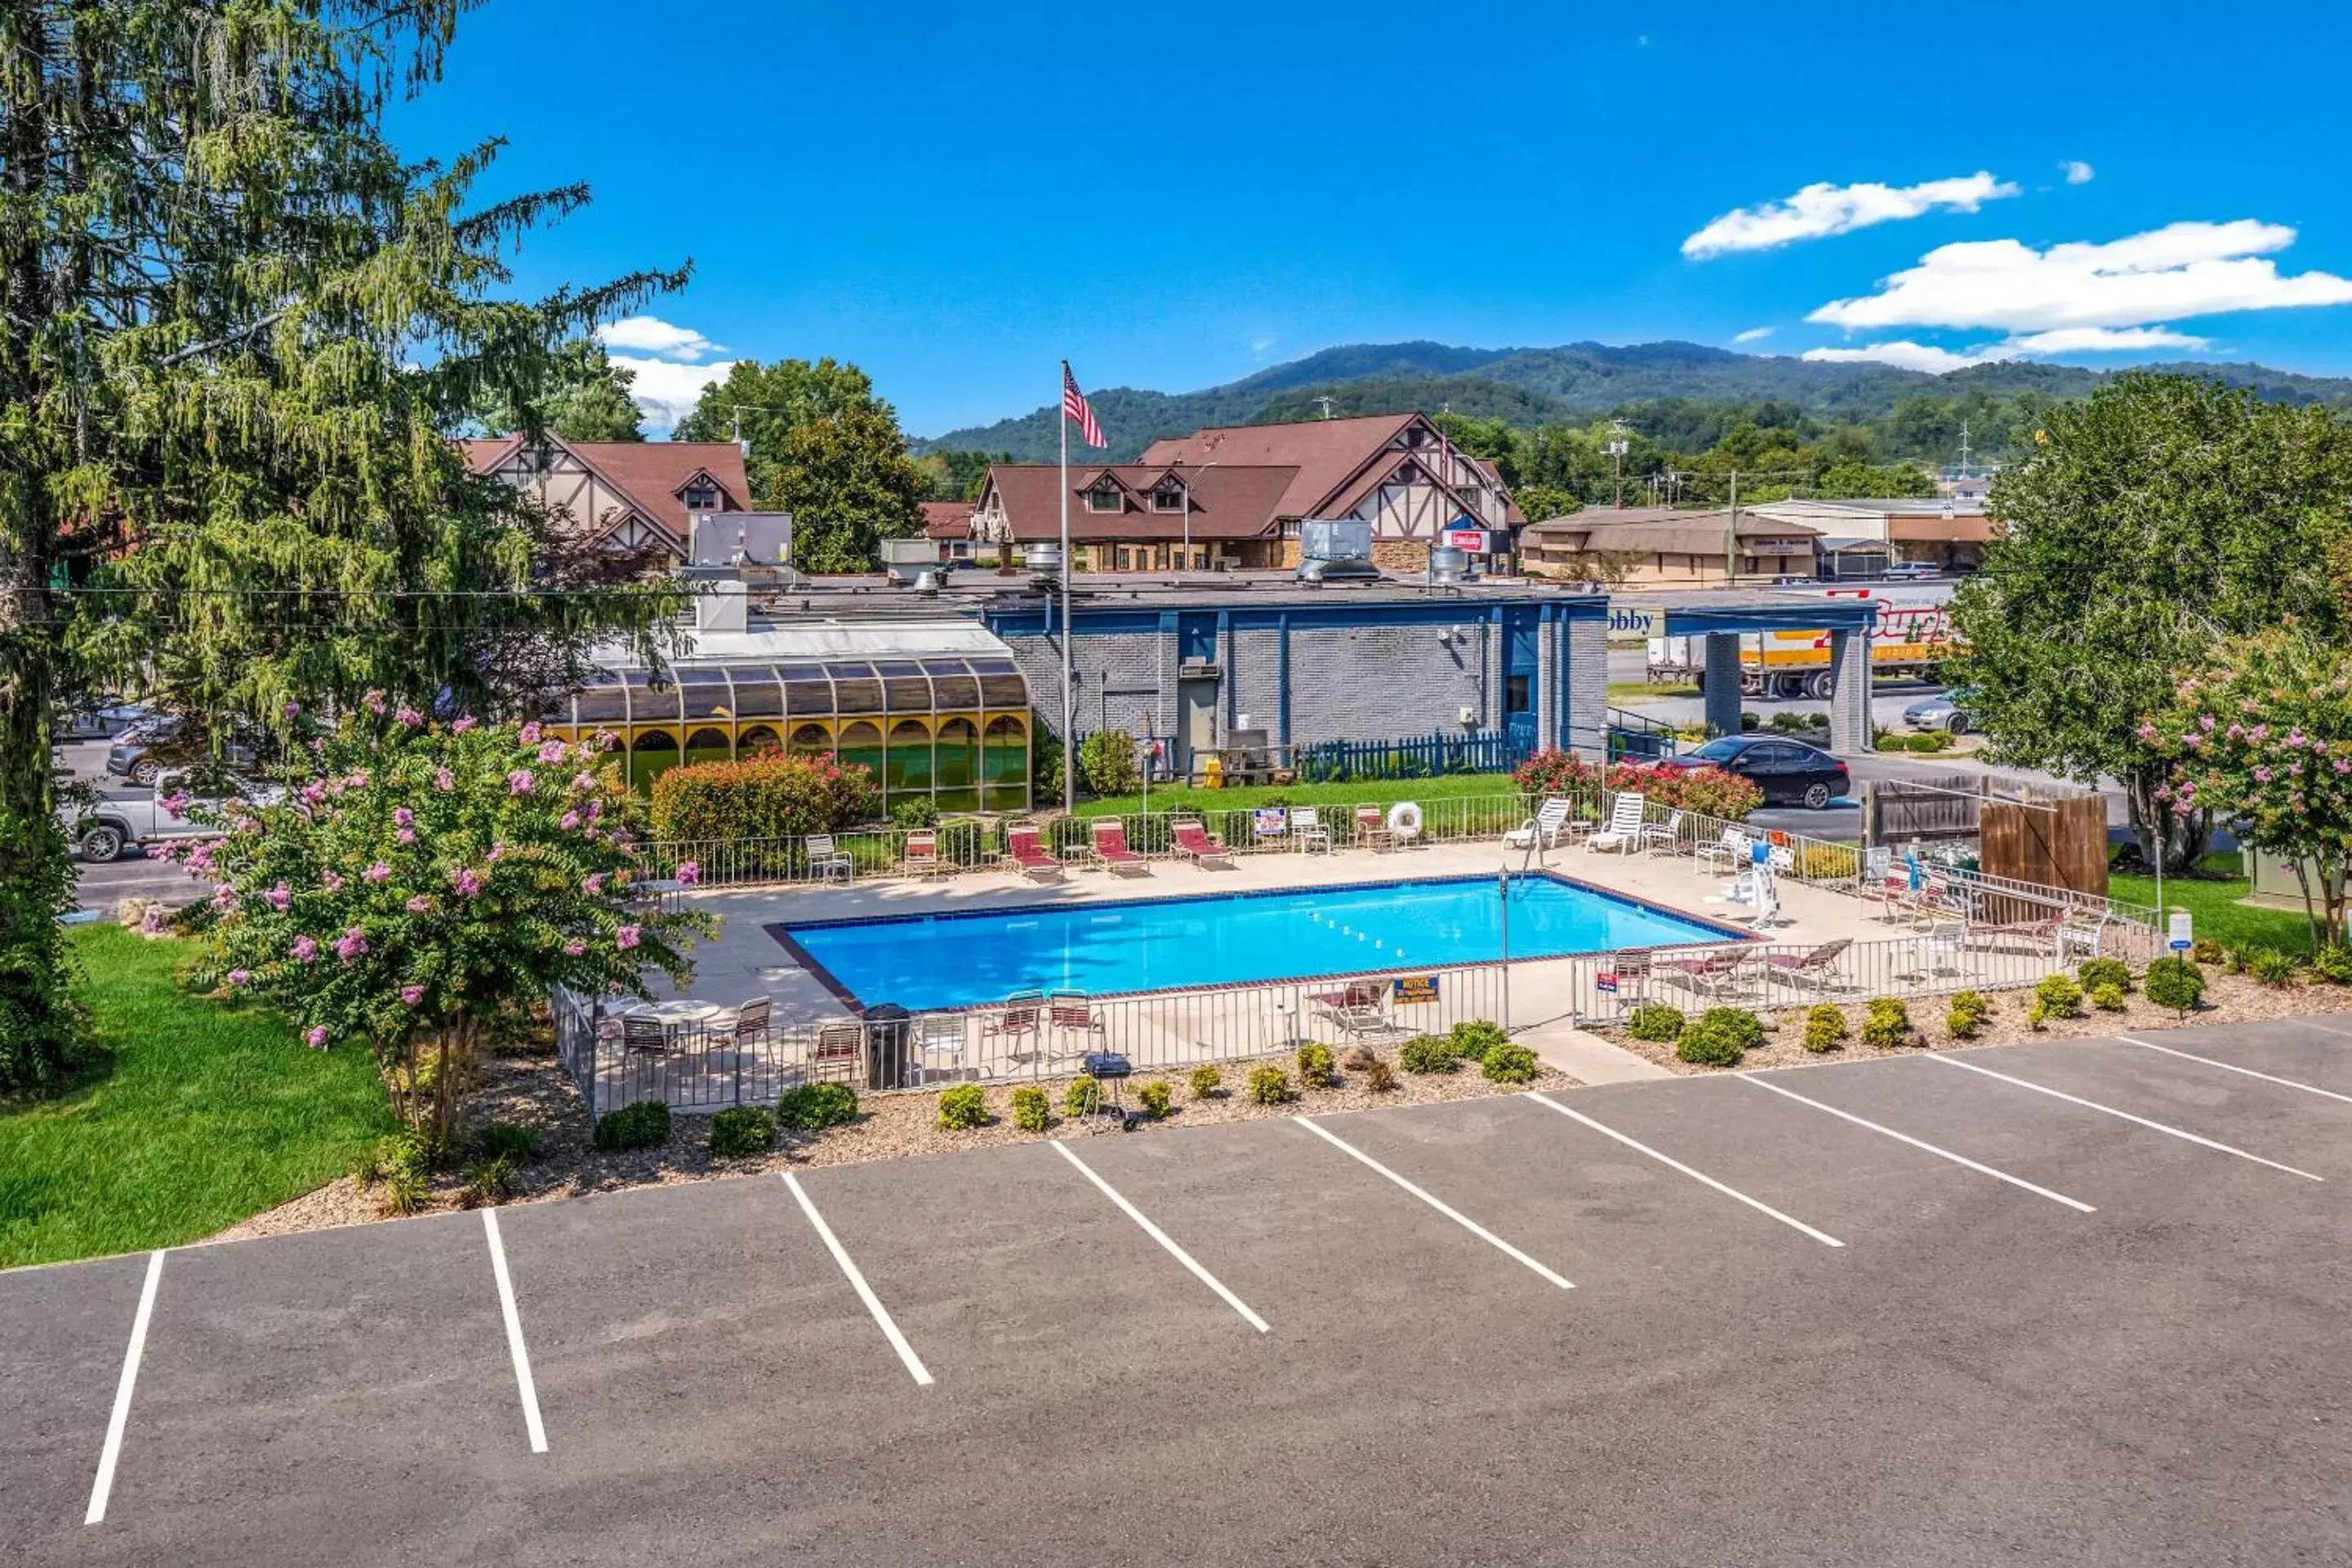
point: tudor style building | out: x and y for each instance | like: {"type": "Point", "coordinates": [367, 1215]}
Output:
{"type": "Point", "coordinates": [625, 496]}
{"type": "Point", "coordinates": [1234, 496]}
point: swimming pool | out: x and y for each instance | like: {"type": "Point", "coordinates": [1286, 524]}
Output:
{"type": "Point", "coordinates": [964, 959]}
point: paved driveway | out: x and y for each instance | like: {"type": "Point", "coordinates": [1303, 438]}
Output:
{"type": "Point", "coordinates": [2073, 1302]}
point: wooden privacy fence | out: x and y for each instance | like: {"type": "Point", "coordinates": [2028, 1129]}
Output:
{"type": "Point", "coordinates": [2059, 843]}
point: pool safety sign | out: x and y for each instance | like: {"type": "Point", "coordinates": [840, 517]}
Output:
{"type": "Point", "coordinates": [1407, 988]}
{"type": "Point", "coordinates": [1270, 821]}
{"type": "Point", "coordinates": [1606, 981]}
{"type": "Point", "coordinates": [2178, 938]}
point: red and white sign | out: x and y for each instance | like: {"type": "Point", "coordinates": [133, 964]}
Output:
{"type": "Point", "coordinates": [1473, 540]}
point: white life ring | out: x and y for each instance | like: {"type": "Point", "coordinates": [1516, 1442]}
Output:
{"type": "Point", "coordinates": [1404, 819]}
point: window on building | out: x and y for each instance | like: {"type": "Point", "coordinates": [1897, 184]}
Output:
{"type": "Point", "coordinates": [1289, 528]}
{"type": "Point", "coordinates": [1517, 698]}
{"type": "Point", "coordinates": [1169, 496]}
{"type": "Point", "coordinates": [702, 498]}
{"type": "Point", "coordinates": [1106, 496]}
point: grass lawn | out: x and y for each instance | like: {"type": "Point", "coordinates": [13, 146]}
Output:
{"type": "Point", "coordinates": [1363, 792]}
{"type": "Point", "coordinates": [192, 1115]}
{"type": "Point", "coordinates": [2213, 908]}
{"type": "Point", "coordinates": [1624, 692]}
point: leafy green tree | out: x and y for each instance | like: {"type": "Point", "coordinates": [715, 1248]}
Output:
{"type": "Point", "coordinates": [1856, 481]}
{"type": "Point", "coordinates": [763, 405]}
{"type": "Point", "coordinates": [1537, 502]}
{"type": "Point", "coordinates": [2155, 523]}
{"type": "Point", "coordinates": [585, 398]}
{"type": "Point", "coordinates": [849, 485]}
{"type": "Point", "coordinates": [957, 475]}
{"type": "Point", "coordinates": [236, 329]}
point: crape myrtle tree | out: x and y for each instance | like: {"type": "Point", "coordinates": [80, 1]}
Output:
{"type": "Point", "coordinates": [2155, 523]}
{"type": "Point", "coordinates": [2263, 740]}
{"type": "Point", "coordinates": [235, 331]}
{"type": "Point", "coordinates": [411, 881]}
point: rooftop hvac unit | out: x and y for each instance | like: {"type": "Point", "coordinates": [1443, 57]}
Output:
{"type": "Point", "coordinates": [1044, 564]}
{"type": "Point", "coordinates": [1447, 565]}
{"type": "Point", "coordinates": [1336, 550]}
{"type": "Point", "coordinates": [905, 560]}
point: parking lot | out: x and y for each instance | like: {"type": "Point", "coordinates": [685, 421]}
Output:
{"type": "Point", "coordinates": [2063, 1302]}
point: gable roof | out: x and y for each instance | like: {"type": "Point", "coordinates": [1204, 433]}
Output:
{"type": "Point", "coordinates": [1325, 453]}
{"type": "Point", "coordinates": [1228, 502]}
{"type": "Point", "coordinates": [1655, 530]}
{"type": "Point", "coordinates": [650, 474]}
{"type": "Point", "coordinates": [947, 519]}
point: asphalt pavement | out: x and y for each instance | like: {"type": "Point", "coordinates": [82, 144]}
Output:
{"type": "Point", "coordinates": [2067, 1302]}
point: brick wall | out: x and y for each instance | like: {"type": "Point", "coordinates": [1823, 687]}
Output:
{"type": "Point", "coordinates": [1370, 683]}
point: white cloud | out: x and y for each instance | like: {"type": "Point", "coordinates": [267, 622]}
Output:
{"type": "Point", "coordinates": [2106, 340]}
{"type": "Point", "coordinates": [669, 392]}
{"type": "Point", "coordinates": [1823, 209]}
{"type": "Point", "coordinates": [1905, 354]}
{"type": "Point", "coordinates": [652, 335]}
{"type": "Point", "coordinates": [1752, 335]}
{"type": "Point", "coordinates": [2181, 270]}
{"type": "Point", "coordinates": [2078, 173]}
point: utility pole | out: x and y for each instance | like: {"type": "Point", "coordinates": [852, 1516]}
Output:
{"type": "Point", "coordinates": [1325, 403]}
{"type": "Point", "coordinates": [1731, 537]}
{"type": "Point", "coordinates": [1618, 447]}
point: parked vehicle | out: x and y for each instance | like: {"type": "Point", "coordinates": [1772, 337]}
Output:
{"type": "Point", "coordinates": [103, 831]}
{"type": "Point", "coordinates": [105, 720]}
{"type": "Point", "coordinates": [1910, 571]}
{"type": "Point", "coordinates": [1789, 773]}
{"type": "Point", "coordinates": [142, 752]}
{"type": "Point", "coordinates": [1910, 639]}
{"type": "Point", "coordinates": [1946, 711]}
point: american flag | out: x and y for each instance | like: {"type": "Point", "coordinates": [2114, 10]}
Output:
{"type": "Point", "coordinates": [1074, 406]}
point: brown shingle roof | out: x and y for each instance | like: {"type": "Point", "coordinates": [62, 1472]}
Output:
{"type": "Point", "coordinates": [1653, 530]}
{"type": "Point", "coordinates": [947, 519]}
{"type": "Point", "coordinates": [650, 473]}
{"type": "Point", "coordinates": [1228, 502]}
{"type": "Point", "coordinates": [1325, 453]}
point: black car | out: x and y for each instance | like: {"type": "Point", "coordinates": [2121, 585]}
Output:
{"type": "Point", "coordinates": [1789, 773]}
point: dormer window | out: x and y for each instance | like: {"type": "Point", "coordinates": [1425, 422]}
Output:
{"type": "Point", "coordinates": [1106, 496]}
{"type": "Point", "coordinates": [702, 498]}
{"type": "Point", "coordinates": [1169, 496]}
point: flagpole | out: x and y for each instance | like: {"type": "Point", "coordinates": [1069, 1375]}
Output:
{"type": "Point", "coordinates": [1069, 710]}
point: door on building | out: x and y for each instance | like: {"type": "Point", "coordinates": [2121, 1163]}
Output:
{"type": "Point", "coordinates": [1196, 722]}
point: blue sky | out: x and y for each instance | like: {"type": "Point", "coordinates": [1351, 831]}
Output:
{"type": "Point", "coordinates": [956, 196]}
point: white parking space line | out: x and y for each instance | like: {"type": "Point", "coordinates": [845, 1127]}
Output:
{"type": "Point", "coordinates": [1824, 1237]}
{"type": "Point", "coordinates": [524, 1387]}
{"type": "Point", "coordinates": [2232, 1066]}
{"type": "Point", "coordinates": [1167, 1243]}
{"type": "Point", "coordinates": [2125, 1115]}
{"type": "Point", "coordinates": [2018, 1182]}
{"type": "Point", "coordinates": [104, 1485]}
{"type": "Point", "coordinates": [2341, 1034]}
{"type": "Point", "coordinates": [1456, 1215]}
{"type": "Point", "coordinates": [914, 1364]}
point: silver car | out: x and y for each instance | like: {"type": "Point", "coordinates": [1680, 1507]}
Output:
{"type": "Point", "coordinates": [1945, 710]}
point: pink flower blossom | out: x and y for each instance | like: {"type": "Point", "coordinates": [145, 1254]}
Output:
{"type": "Point", "coordinates": [409, 717]}
{"type": "Point", "coordinates": [2236, 732]}
{"type": "Point", "coordinates": [520, 782]}
{"type": "Point", "coordinates": [373, 701]}
{"type": "Point", "coordinates": [358, 779]}
{"type": "Point", "coordinates": [378, 873]}
{"type": "Point", "coordinates": [581, 781]}
{"type": "Point", "coordinates": [2294, 738]}
{"type": "Point", "coordinates": [689, 872]}
{"type": "Point", "coordinates": [569, 820]}
{"type": "Point", "coordinates": [574, 948]}
{"type": "Point", "coordinates": [304, 950]}
{"type": "Point", "coordinates": [403, 818]}
{"type": "Point", "coordinates": [2147, 731]}
{"type": "Point", "coordinates": [240, 977]}
{"type": "Point", "coordinates": [464, 721]}
{"type": "Point", "coordinates": [224, 897]}
{"type": "Point", "coordinates": [593, 886]}
{"type": "Point", "coordinates": [2205, 721]}
{"type": "Point", "coordinates": [314, 792]}
{"type": "Point", "coordinates": [161, 851]}
{"type": "Point", "coordinates": [418, 904]}
{"type": "Point", "coordinates": [551, 753]}
{"type": "Point", "coordinates": [280, 897]}
{"type": "Point", "coordinates": [318, 1038]}
{"type": "Point", "coordinates": [332, 881]}
{"type": "Point", "coordinates": [596, 810]}
{"type": "Point", "coordinates": [445, 780]}
{"type": "Point", "coordinates": [604, 739]}
{"type": "Point", "coordinates": [627, 937]}
{"type": "Point", "coordinates": [2260, 733]}
{"type": "Point", "coordinates": [410, 995]}
{"type": "Point", "coordinates": [406, 835]}
{"type": "Point", "coordinates": [498, 853]}
{"type": "Point", "coordinates": [529, 733]}
{"type": "Point", "coordinates": [293, 711]}
{"type": "Point", "coordinates": [467, 882]}
{"type": "Point", "coordinates": [200, 858]}
{"type": "Point", "coordinates": [175, 804]}
{"type": "Point", "coordinates": [2261, 775]}
{"type": "Point", "coordinates": [350, 944]}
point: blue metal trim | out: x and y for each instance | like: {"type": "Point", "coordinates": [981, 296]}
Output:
{"type": "Point", "coordinates": [1282, 678]}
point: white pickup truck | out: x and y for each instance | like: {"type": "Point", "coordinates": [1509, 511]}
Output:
{"type": "Point", "coordinates": [104, 829]}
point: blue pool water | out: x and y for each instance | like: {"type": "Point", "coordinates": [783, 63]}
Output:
{"type": "Point", "coordinates": [964, 959]}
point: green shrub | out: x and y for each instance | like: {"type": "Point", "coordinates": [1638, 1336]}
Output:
{"type": "Point", "coordinates": [406, 1192]}
{"type": "Point", "coordinates": [2059, 996]}
{"type": "Point", "coordinates": [1207, 1082]}
{"type": "Point", "coordinates": [1427, 1054]}
{"type": "Point", "coordinates": [2095, 972]}
{"type": "Point", "coordinates": [1719, 1037]}
{"type": "Point", "coordinates": [2235, 957]}
{"type": "Point", "coordinates": [964, 1106]}
{"type": "Point", "coordinates": [1082, 1097]}
{"type": "Point", "coordinates": [1508, 1062]}
{"type": "Point", "coordinates": [1269, 1086]}
{"type": "Point", "coordinates": [2205, 950]}
{"type": "Point", "coordinates": [1655, 1021]}
{"type": "Point", "coordinates": [1827, 862]}
{"type": "Point", "coordinates": [489, 1182]}
{"type": "Point", "coordinates": [507, 1139]}
{"type": "Point", "coordinates": [2107, 997]}
{"type": "Point", "coordinates": [770, 796]}
{"type": "Point", "coordinates": [1315, 1069]}
{"type": "Point", "coordinates": [645, 1125]}
{"type": "Point", "coordinates": [1886, 1025]}
{"type": "Point", "coordinates": [1474, 1037]}
{"type": "Point", "coordinates": [1032, 1109]}
{"type": "Point", "coordinates": [2038, 1016]}
{"type": "Point", "coordinates": [2268, 966]}
{"type": "Point", "coordinates": [2333, 963]}
{"type": "Point", "coordinates": [1378, 1077]}
{"type": "Point", "coordinates": [1107, 762]}
{"type": "Point", "coordinates": [367, 1165]}
{"type": "Point", "coordinates": [1158, 1098]}
{"type": "Point", "coordinates": [916, 811]}
{"type": "Point", "coordinates": [742, 1129]}
{"type": "Point", "coordinates": [1968, 1013]}
{"type": "Point", "coordinates": [813, 1107]}
{"type": "Point", "coordinates": [1825, 1028]}
{"type": "Point", "coordinates": [2174, 982]}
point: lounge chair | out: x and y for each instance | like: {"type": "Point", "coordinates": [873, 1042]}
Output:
{"type": "Point", "coordinates": [1714, 975]}
{"type": "Point", "coordinates": [1192, 842]}
{"type": "Point", "coordinates": [1625, 822]}
{"type": "Point", "coordinates": [1372, 829]}
{"type": "Point", "coordinates": [1030, 857]}
{"type": "Point", "coordinates": [827, 860]}
{"type": "Point", "coordinates": [1110, 849]}
{"type": "Point", "coordinates": [921, 856]}
{"type": "Point", "coordinates": [1732, 847]}
{"type": "Point", "coordinates": [1666, 834]}
{"type": "Point", "coordinates": [1543, 830]}
{"type": "Point", "coordinates": [1355, 1011]}
{"type": "Point", "coordinates": [1814, 971]}
{"type": "Point", "coordinates": [1307, 832]}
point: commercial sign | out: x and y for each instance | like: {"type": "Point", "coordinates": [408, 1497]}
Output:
{"type": "Point", "coordinates": [1632, 626]}
{"type": "Point", "coordinates": [1408, 988]}
{"type": "Point", "coordinates": [1473, 540]}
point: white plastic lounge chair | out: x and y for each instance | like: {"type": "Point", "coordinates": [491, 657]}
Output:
{"type": "Point", "coordinates": [1624, 829]}
{"type": "Point", "coordinates": [826, 861]}
{"type": "Point", "coordinates": [1732, 847]}
{"type": "Point", "coordinates": [1666, 834]}
{"type": "Point", "coordinates": [1544, 828]}
{"type": "Point", "coordinates": [1306, 830]}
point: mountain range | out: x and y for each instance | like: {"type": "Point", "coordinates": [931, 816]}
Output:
{"type": "Point", "coordinates": [1573, 384]}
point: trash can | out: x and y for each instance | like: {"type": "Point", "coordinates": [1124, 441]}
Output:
{"type": "Point", "coordinates": [889, 1032]}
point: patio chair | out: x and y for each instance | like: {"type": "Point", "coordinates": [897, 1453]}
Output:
{"type": "Point", "coordinates": [1073, 1013]}
{"type": "Point", "coordinates": [827, 860]}
{"type": "Point", "coordinates": [839, 1047]}
{"type": "Point", "coordinates": [1372, 829]}
{"type": "Point", "coordinates": [1627, 974]}
{"type": "Point", "coordinates": [1814, 971]}
{"type": "Point", "coordinates": [1307, 832]}
{"type": "Point", "coordinates": [1015, 1024]}
{"type": "Point", "coordinates": [1666, 834]}
{"type": "Point", "coordinates": [644, 1037]}
{"type": "Point", "coordinates": [1355, 1011]}
{"type": "Point", "coordinates": [939, 1041]}
{"type": "Point", "coordinates": [1110, 849]}
{"type": "Point", "coordinates": [920, 858]}
{"type": "Point", "coordinates": [751, 1026]}
{"type": "Point", "coordinates": [1030, 857]}
{"type": "Point", "coordinates": [1192, 842]}
{"type": "Point", "coordinates": [1732, 847]}
{"type": "Point", "coordinates": [1543, 830]}
{"type": "Point", "coordinates": [1711, 976]}
{"type": "Point", "coordinates": [1625, 821]}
